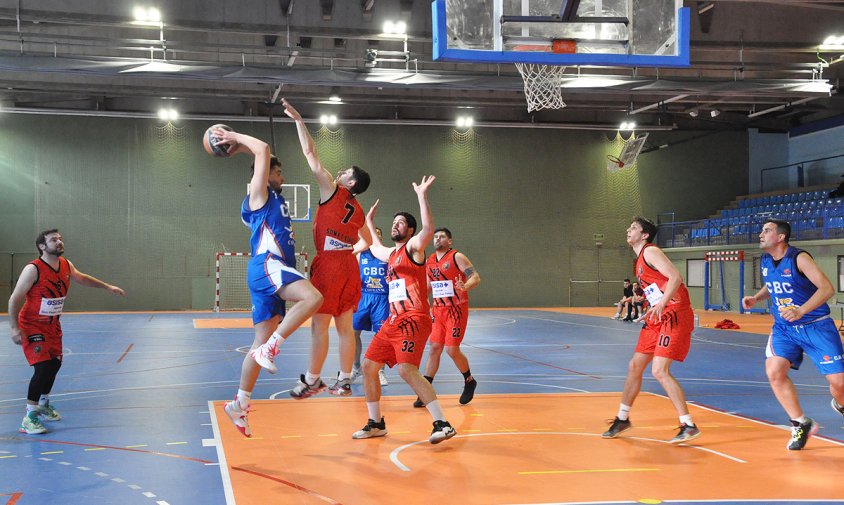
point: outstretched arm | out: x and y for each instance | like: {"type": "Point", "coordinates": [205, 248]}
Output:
{"type": "Point", "coordinates": [258, 193]}
{"type": "Point", "coordinates": [25, 282]}
{"type": "Point", "coordinates": [93, 282]}
{"type": "Point", "coordinates": [378, 249]}
{"type": "Point", "coordinates": [323, 177]}
{"type": "Point", "coordinates": [416, 245]}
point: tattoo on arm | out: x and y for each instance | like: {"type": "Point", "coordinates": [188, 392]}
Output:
{"type": "Point", "coordinates": [469, 272]}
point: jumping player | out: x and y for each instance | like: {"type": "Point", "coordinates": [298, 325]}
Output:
{"type": "Point", "coordinates": [666, 335]}
{"type": "Point", "coordinates": [35, 309]}
{"type": "Point", "coordinates": [802, 323]}
{"type": "Point", "coordinates": [401, 341]}
{"type": "Point", "coordinates": [271, 274]}
{"type": "Point", "coordinates": [338, 227]}
{"type": "Point", "coordinates": [450, 278]}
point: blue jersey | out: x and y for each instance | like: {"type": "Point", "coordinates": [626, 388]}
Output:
{"type": "Point", "coordinates": [788, 287]}
{"type": "Point", "coordinates": [272, 231]}
{"type": "Point", "coordinates": [373, 274]}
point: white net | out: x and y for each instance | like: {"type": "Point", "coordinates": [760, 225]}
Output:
{"type": "Point", "coordinates": [542, 86]}
{"type": "Point", "coordinates": [232, 291]}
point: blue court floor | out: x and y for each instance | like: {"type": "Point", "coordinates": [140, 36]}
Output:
{"type": "Point", "coordinates": [134, 392]}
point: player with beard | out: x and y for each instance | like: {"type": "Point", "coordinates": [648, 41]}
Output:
{"type": "Point", "coordinates": [401, 340]}
{"type": "Point", "coordinates": [35, 310]}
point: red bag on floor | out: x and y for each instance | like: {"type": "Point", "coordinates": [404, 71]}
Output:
{"type": "Point", "coordinates": [727, 324]}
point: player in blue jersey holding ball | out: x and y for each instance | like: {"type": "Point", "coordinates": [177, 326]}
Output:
{"type": "Point", "coordinates": [802, 323]}
{"type": "Point", "coordinates": [271, 275]}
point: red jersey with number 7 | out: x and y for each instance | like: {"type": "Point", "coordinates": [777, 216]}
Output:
{"type": "Point", "coordinates": [651, 278]}
{"type": "Point", "coordinates": [407, 282]}
{"type": "Point", "coordinates": [337, 222]}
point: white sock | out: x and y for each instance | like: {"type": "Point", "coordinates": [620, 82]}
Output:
{"type": "Point", "coordinates": [435, 410]}
{"type": "Point", "coordinates": [30, 408]}
{"type": "Point", "coordinates": [344, 375]}
{"type": "Point", "coordinates": [44, 400]}
{"type": "Point", "coordinates": [243, 398]}
{"type": "Point", "coordinates": [311, 378]}
{"type": "Point", "coordinates": [275, 340]}
{"type": "Point", "coordinates": [687, 420]}
{"type": "Point", "coordinates": [801, 419]}
{"type": "Point", "coordinates": [374, 409]}
{"type": "Point", "coordinates": [623, 412]}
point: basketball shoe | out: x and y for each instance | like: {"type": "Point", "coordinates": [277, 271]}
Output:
{"type": "Point", "coordinates": [304, 390]}
{"type": "Point", "coordinates": [265, 355]}
{"type": "Point", "coordinates": [468, 391]}
{"type": "Point", "coordinates": [686, 434]}
{"type": "Point", "coordinates": [238, 417]}
{"type": "Point", "coordinates": [48, 413]}
{"type": "Point", "coordinates": [800, 433]}
{"type": "Point", "coordinates": [617, 427]}
{"type": "Point", "coordinates": [442, 431]}
{"type": "Point", "coordinates": [371, 430]}
{"type": "Point", "coordinates": [31, 424]}
{"type": "Point", "coordinates": [343, 387]}
{"type": "Point", "coordinates": [836, 407]}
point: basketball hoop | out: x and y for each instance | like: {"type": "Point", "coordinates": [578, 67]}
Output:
{"type": "Point", "coordinates": [614, 164]}
{"type": "Point", "coordinates": [542, 86]}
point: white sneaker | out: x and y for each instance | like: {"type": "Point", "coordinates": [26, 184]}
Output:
{"type": "Point", "coordinates": [382, 376]}
{"type": "Point", "coordinates": [356, 373]}
{"type": "Point", "coordinates": [264, 355]}
{"type": "Point", "coordinates": [238, 417]}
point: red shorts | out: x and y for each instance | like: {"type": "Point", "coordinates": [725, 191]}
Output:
{"type": "Point", "coordinates": [337, 276]}
{"type": "Point", "coordinates": [38, 347]}
{"type": "Point", "coordinates": [671, 337]}
{"type": "Point", "coordinates": [401, 339]}
{"type": "Point", "coordinates": [449, 324]}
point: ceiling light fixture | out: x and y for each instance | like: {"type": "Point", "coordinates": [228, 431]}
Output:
{"type": "Point", "coordinates": [714, 113]}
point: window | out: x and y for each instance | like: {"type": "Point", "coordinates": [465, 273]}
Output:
{"type": "Point", "coordinates": [841, 274]}
{"type": "Point", "coordinates": [695, 273]}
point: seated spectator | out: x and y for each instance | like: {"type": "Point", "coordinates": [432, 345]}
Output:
{"type": "Point", "coordinates": [625, 300]}
{"type": "Point", "coordinates": [639, 302]}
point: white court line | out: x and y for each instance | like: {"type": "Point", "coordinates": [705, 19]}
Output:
{"type": "Point", "coordinates": [394, 455]}
{"type": "Point", "coordinates": [221, 457]}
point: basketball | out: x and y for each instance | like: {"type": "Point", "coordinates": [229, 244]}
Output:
{"type": "Point", "coordinates": [209, 142]}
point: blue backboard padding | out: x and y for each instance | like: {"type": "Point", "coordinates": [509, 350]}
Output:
{"type": "Point", "coordinates": [442, 52]}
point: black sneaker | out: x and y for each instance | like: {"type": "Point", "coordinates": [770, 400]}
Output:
{"type": "Point", "coordinates": [686, 434]}
{"type": "Point", "coordinates": [372, 429]}
{"type": "Point", "coordinates": [468, 391]}
{"type": "Point", "coordinates": [304, 390]}
{"type": "Point", "coordinates": [800, 433]}
{"type": "Point", "coordinates": [442, 431]}
{"type": "Point", "coordinates": [418, 404]}
{"type": "Point", "coordinates": [836, 407]}
{"type": "Point", "coordinates": [617, 427]}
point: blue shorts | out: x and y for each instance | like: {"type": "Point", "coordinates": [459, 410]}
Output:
{"type": "Point", "coordinates": [265, 275]}
{"type": "Point", "coordinates": [820, 340]}
{"type": "Point", "coordinates": [373, 310]}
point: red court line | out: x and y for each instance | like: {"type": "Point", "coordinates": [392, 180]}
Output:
{"type": "Point", "coordinates": [125, 353]}
{"type": "Point", "coordinates": [288, 483]}
{"type": "Point", "coordinates": [14, 497]}
{"type": "Point", "coordinates": [80, 444]}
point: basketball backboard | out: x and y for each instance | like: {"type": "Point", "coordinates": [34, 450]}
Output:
{"type": "Point", "coordinates": [631, 33]}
